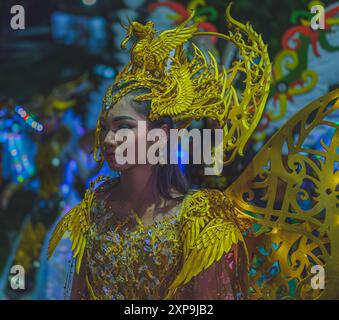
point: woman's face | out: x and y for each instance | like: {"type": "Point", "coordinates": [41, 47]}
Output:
{"type": "Point", "coordinates": [121, 116]}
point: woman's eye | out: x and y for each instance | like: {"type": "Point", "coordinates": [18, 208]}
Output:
{"type": "Point", "coordinates": [125, 126]}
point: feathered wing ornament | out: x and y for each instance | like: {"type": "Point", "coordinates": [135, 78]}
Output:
{"type": "Point", "coordinates": [171, 39]}
{"type": "Point", "coordinates": [210, 227]}
{"type": "Point", "coordinates": [292, 192]}
{"type": "Point", "coordinates": [76, 222]}
{"type": "Point", "coordinates": [149, 54]}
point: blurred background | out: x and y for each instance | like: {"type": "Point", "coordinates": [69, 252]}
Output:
{"type": "Point", "coordinates": [53, 75]}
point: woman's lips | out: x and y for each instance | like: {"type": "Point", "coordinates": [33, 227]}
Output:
{"type": "Point", "coordinates": [110, 155]}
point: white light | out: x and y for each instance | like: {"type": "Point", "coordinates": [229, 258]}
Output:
{"type": "Point", "coordinates": [89, 2]}
{"type": "Point", "coordinates": [55, 162]}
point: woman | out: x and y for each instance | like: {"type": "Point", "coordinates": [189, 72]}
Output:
{"type": "Point", "coordinates": [145, 235]}
{"type": "Point", "coordinates": [145, 200]}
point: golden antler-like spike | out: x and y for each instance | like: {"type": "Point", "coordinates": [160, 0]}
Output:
{"type": "Point", "coordinates": [122, 25]}
{"type": "Point", "coordinates": [256, 66]}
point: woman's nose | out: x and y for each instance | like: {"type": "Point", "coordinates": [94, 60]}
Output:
{"type": "Point", "coordinates": [109, 141]}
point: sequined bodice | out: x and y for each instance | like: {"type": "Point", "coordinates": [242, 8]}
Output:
{"type": "Point", "coordinates": [128, 260]}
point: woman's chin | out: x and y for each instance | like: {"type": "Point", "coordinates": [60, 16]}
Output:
{"type": "Point", "coordinates": [113, 165]}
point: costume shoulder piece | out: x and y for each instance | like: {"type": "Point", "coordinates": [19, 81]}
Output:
{"type": "Point", "coordinates": [76, 222]}
{"type": "Point", "coordinates": [209, 227]}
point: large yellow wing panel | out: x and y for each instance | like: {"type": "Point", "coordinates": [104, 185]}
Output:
{"type": "Point", "coordinates": [292, 192]}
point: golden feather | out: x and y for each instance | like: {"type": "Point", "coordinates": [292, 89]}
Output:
{"type": "Point", "coordinates": [171, 39]}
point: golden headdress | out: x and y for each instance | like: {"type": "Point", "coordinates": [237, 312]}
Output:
{"type": "Point", "coordinates": [192, 89]}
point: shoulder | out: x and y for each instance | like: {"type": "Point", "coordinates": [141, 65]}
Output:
{"type": "Point", "coordinates": [77, 221]}
{"type": "Point", "coordinates": [202, 201]}
{"type": "Point", "coordinates": [209, 228]}
{"type": "Point", "coordinates": [101, 189]}
{"type": "Point", "coordinates": [212, 205]}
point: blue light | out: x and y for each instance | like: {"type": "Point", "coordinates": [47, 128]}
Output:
{"type": "Point", "coordinates": [65, 188]}
{"type": "Point", "coordinates": [109, 73]}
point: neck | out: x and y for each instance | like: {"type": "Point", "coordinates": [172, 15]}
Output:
{"type": "Point", "coordinates": [138, 185]}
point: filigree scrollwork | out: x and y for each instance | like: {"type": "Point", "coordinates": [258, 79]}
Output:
{"type": "Point", "coordinates": [293, 193]}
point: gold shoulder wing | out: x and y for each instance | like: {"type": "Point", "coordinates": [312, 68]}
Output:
{"type": "Point", "coordinates": [292, 191]}
{"type": "Point", "coordinates": [209, 228]}
{"type": "Point", "coordinates": [76, 222]}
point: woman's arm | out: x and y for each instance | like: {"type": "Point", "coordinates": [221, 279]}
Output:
{"type": "Point", "coordinates": [223, 280]}
{"type": "Point", "coordinates": [214, 283]}
{"type": "Point", "coordinates": [79, 287]}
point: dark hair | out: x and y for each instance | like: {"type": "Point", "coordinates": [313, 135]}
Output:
{"type": "Point", "coordinates": [168, 176]}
